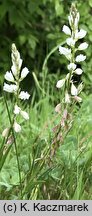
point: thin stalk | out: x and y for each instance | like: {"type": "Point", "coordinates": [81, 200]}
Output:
{"type": "Point", "coordinates": [15, 145]}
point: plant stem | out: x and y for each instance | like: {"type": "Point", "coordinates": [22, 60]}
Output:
{"type": "Point", "coordinates": [15, 145]}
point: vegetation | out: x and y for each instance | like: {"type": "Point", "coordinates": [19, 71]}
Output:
{"type": "Point", "coordinates": [44, 160]}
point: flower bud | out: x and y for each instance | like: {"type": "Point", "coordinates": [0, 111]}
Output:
{"type": "Point", "coordinates": [60, 83]}
{"type": "Point", "coordinates": [83, 46]}
{"type": "Point", "coordinates": [66, 30]}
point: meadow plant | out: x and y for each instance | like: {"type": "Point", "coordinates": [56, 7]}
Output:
{"type": "Point", "coordinates": [14, 78]}
{"type": "Point", "coordinates": [71, 89]}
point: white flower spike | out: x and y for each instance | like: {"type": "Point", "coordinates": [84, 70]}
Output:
{"type": "Point", "coordinates": [16, 76]}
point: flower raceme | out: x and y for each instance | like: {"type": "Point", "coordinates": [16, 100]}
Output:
{"type": "Point", "coordinates": [14, 77]}
{"type": "Point", "coordinates": [71, 91]}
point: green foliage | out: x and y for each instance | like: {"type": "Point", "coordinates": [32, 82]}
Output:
{"type": "Point", "coordinates": [67, 175]}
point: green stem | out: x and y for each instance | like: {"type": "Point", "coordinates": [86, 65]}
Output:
{"type": "Point", "coordinates": [15, 145]}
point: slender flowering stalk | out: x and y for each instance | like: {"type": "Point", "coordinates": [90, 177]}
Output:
{"type": "Point", "coordinates": [70, 52]}
{"type": "Point", "coordinates": [15, 76]}
{"type": "Point", "coordinates": [71, 89]}
{"type": "Point", "coordinates": [12, 85]}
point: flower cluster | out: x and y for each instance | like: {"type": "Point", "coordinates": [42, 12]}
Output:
{"type": "Point", "coordinates": [70, 53]}
{"type": "Point", "coordinates": [14, 77]}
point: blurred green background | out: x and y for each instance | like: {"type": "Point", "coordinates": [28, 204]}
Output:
{"type": "Point", "coordinates": [35, 26]}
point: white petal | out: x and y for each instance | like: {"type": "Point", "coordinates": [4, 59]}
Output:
{"type": "Point", "coordinates": [81, 34]}
{"type": "Point", "coordinates": [17, 110]}
{"type": "Point", "coordinates": [78, 71]}
{"type": "Point", "coordinates": [24, 73]}
{"type": "Point", "coordinates": [74, 90]}
{"type": "Point", "coordinates": [60, 83]}
{"type": "Point", "coordinates": [16, 60]}
{"type": "Point", "coordinates": [67, 98]}
{"type": "Point", "coordinates": [9, 76]}
{"type": "Point", "coordinates": [10, 88]}
{"type": "Point", "coordinates": [83, 46]}
{"type": "Point", "coordinates": [70, 18]}
{"type": "Point", "coordinates": [5, 132]}
{"type": "Point", "coordinates": [80, 58]}
{"type": "Point", "coordinates": [24, 114]}
{"type": "Point", "coordinates": [70, 42]}
{"type": "Point", "coordinates": [76, 20]}
{"type": "Point", "coordinates": [24, 95]}
{"type": "Point", "coordinates": [17, 127]}
{"type": "Point", "coordinates": [66, 30]}
{"type": "Point", "coordinates": [14, 70]}
{"type": "Point", "coordinates": [78, 99]}
{"type": "Point", "coordinates": [64, 51]}
{"type": "Point", "coordinates": [58, 108]}
{"type": "Point", "coordinates": [71, 66]}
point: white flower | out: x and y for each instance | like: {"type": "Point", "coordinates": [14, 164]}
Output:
{"type": "Point", "coordinates": [81, 34]}
{"type": "Point", "coordinates": [17, 127]}
{"type": "Point", "coordinates": [24, 95]}
{"type": "Point", "coordinates": [24, 114]}
{"type": "Point", "coordinates": [70, 42]}
{"type": "Point", "coordinates": [76, 20]}
{"type": "Point", "coordinates": [80, 58]}
{"type": "Point", "coordinates": [9, 76]}
{"type": "Point", "coordinates": [24, 72]}
{"type": "Point", "coordinates": [67, 97]}
{"type": "Point", "coordinates": [71, 66]}
{"type": "Point", "coordinates": [74, 90]}
{"type": "Point", "coordinates": [20, 63]}
{"type": "Point", "coordinates": [83, 46]}
{"type": "Point", "coordinates": [10, 88]}
{"type": "Point", "coordinates": [5, 132]}
{"type": "Point", "coordinates": [65, 51]}
{"type": "Point", "coordinates": [70, 18]}
{"type": "Point", "coordinates": [58, 108]}
{"type": "Point", "coordinates": [17, 110]}
{"type": "Point", "coordinates": [60, 83]}
{"type": "Point", "coordinates": [78, 99]}
{"type": "Point", "coordinates": [14, 70]}
{"type": "Point", "coordinates": [66, 30]}
{"type": "Point", "coordinates": [78, 71]}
